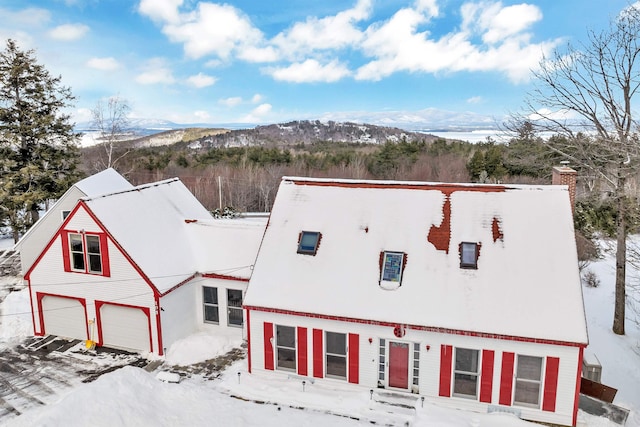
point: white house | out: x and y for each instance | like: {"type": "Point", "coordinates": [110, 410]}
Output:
{"type": "Point", "coordinates": [466, 294]}
{"type": "Point", "coordinates": [141, 268]}
{"type": "Point", "coordinates": [31, 244]}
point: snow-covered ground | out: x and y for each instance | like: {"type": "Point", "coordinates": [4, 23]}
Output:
{"type": "Point", "coordinates": [133, 397]}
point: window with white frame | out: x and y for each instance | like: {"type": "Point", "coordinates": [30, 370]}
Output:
{"type": "Point", "coordinates": [286, 347]}
{"type": "Point", "coordinates": [210, 300]}
{"type": "Point", "coordinates": [234, 307]}
{"type": "Point", "coordinates": [391, 268]}
{"type": "Point", "coordinates": [308, 244]}
{"type": "Point", "coordinates": [89, 261]}
{"type": "Point", "coordinates": [465, 373]}
{"type": "Point", "coordinates": [468, 255]}
{"type": "Point", "coordinates": [336, 355]}
{"type": "Point", "coordinates": [528, 381]}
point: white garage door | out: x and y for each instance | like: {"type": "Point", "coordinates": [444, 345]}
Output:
{"type": "Point", "coordinates": [124, 327]}
{"type": "Point", "coordinates": [64, 317]}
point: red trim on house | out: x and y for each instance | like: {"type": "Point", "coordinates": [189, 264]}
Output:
{"type": "Point", "coordinates": [302, 351]}
{"type": "Point", "coordinates": [82, 301]}
{"type": "Point", "coordinates": [550, 384]}
{"type": "Point", "coordinates": [416, 327]}
{"type": "Point", "coordinates": [577, 391]}
{"type": "Point", "coordinates": [268, 346]}
{"type": "Point", "coordinates": [66, 256]}
{"type": "Point", "coordinates": [104, 255]}
{"type": "Point", "coordinates": [224, 277]}
{"type": "Point", "coordinates": [403, 185]}
{"type": "Point", "coordinates": [145, 310]}
{"type": "Point", "coordinates": [486, 376]}
{"type": "Point", "coordinates": [354, 358]}
{"type": "Point", "coordinates": [248, 316]}
{"type": "Point", "coordinates": [33, 314]}
{"type": "Point", "coordinates": [446, 364]}
{"type": "Point", "coordinates": [184, 282]}
{"type": "Point", "coordinates": [506, 378]}
{"type": "Point", "coordinates": [318, 352]}
{"type": "Point", "coordinates": [159, 325]}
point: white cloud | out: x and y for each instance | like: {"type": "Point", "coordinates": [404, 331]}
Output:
{"type": "Point", "coordinates": [201, 115]}
{"type": "Point", "coordinates": [231, 102]}
{"type": "Point", "coordinates": [474, 100]}
{"type": "Point", "coordinates": [32, 17]}
{"type": "Point", "coordinates": [82, 115]}
{"type": "Point", "coordinates": [331, 32]}
{"type": "Point", "coordinates": [69, 32]}
{"type": "Point", "coordinates": [104, 64]}
{"type": "Point", "coordinates": [161, 10]}
{"type": "Point", "coordinates": [496, 22]}
{"type": "Point", "coordinates": [157, 73]}
{"type": "Point", "coordinates": [310, 71]}
{"type": "Point", "coordinates": [429, 6]}
{"type": "Point", "coordinates": [257, 98]}
{"type": "Point", "coordinates": [201, 80]}
{"type": "Point", "coordinates": [258, 114]}
{"type": "Point", "coordinates": [213, 29]}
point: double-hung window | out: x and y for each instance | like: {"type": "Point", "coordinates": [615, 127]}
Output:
{"type": "Point", "coordinates": [286, 347]}
{"type": "Point", "coordinates": [336, 355]}
{"type": "Point", "coordinates": [528, 381]}
{"type": "Point", "coordinates": [85, 253]}
{"type": "Point", "coordinates": [210, 300]}
{"type": "Point", "coordinates": [465, 373]}
{"type": "Point", "coordinates": [234, 307]}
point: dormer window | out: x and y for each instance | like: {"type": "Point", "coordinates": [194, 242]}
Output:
{"type": "Point", "coordinates": [469, 255]}
{"type": "Point", "coordinates": [308, 243]}
{"type": "Point", "coordinates": [391, 269]}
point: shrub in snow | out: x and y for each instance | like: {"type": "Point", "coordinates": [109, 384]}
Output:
{"type": "Point", "coordinates": [591, 279]}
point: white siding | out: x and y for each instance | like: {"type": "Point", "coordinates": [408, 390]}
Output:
{"type": "Point", "coordinates": [179, 313]}
{"type": "Point", "coordinates": [429, 369]}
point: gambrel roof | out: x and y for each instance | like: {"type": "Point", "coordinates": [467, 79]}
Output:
{"type": "Point", "coordinates": [526, 283]}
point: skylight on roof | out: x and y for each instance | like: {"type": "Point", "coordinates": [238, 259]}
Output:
{"type": "Point", "coordinates": [308, 244]}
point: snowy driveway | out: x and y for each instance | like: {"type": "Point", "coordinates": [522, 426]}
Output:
{"type": "Point", "coordinates": [40, 370]}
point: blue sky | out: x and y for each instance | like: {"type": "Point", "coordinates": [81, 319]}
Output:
{"type": "Point", "coordinates": [425, 62]}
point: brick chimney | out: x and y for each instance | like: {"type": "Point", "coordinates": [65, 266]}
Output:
{"type": "Point", "coordinates": [564, 175]}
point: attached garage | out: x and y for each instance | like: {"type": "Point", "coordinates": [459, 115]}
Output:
{"type": "Point", "coordinates": [124, 326]}
{"type": "Point", "coordinates": [63, 316]}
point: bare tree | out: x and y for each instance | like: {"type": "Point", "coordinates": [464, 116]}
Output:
{"type": "Point", "coordinates": [110, 117]}
{"type": "Point", "coordinates": [585, 95]}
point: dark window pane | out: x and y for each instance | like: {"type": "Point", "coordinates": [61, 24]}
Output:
{"type": "Point", "coordinates": [286, 336]}
{"type": "Point", "coordinates": [93, 245]}
{"type": "Point", "coordinates": [469, 254]}
{"type": "Point", "coordinates": [78, 261]}
{"type": "Point", "coordinates": [210, 295]}
{"type": "Point", "coordinates": [211, 313]}
{"type": "Point", "coordinates": [235, 316]}
{"type": "Point", "coordinates": [466, 360]}
{"type": "Point", "coordinates": [336, 343]}
{"type": "Point", "coordinates": [308, 242]}
{"type": "Point", "coordinates": [529, 367]}
{"type": "Point", "coordinates": [95, 264]}
{"type": "Point", "coordinates": [527, 392]}
{"type": "Point", "coordinates": [287, 358]}
{"type": "Point", "coordinates": [75, 241]}
{"type": "Point", "coordinates": [234, 298]}
{"type": "Point", "coordinates": [465, 384]}
{"type": "Point", "coordinates": [337, 366]}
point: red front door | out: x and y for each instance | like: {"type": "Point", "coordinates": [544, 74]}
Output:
{"type": "Point", "coordinates": [398, 365]}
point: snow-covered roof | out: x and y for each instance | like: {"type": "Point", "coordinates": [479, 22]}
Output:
{"type": "Point", "coordinates": [526, 283]}
{"type": "Point", "coordinates": [156, 225]}
{"type": "Point", "coordinates": [106, 181]}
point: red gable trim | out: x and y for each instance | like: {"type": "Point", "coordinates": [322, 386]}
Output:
{"type": "Point", "coordinates": [577, 392]}
{"type": "Point", "coordinates": [417, 327]}
{"type": "Point", "coordinates": [184, 282]}
{"type": "Point", "coordinates": [224, 277]}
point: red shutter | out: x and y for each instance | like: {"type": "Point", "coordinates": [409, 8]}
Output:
{"type": "Point", "coordinates": [66, 260]}
{"type": "Point", "coordinates": [446, 364]}
{"type": "Point", "coordinates": [302, 351]}
{"type": "Point", "coordinates": [550, 384]}
{"type": "Point", "coordinates": [318, 359]}
{"type": "Point", "coordinates": [104, 255]}
{"type": "Point", "coordinates": [486, 376]}
{"type": "Point", "coordinates": [268, 346]}
{"type": "Point", "coordinates": [354, 358]}
{"type": "Point", "coordinates": [506, 378]}
{"type": "Point", "coordinates": [249, 348]}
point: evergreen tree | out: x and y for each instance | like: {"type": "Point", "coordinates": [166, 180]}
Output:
{"type": "Point", "coordinates": [38, 148]}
